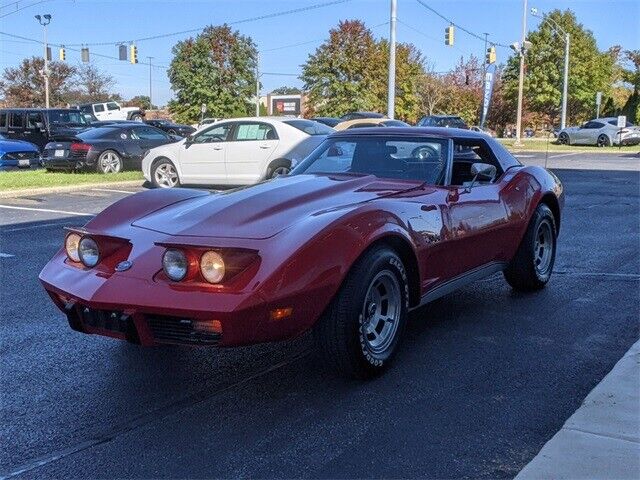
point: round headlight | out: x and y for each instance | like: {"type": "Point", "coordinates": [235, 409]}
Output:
{"type": "Point", "coordinates": [88, 252]}
{"type": "Point", "coordinates": [212, 267]}
{"type": "Point", "coordinates": [71, 246]}
{"type": "Point", "coordinates": [174, 264]}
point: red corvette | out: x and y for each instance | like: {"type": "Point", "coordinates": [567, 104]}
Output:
{"type": "Point", "coordinates": [373, 223]}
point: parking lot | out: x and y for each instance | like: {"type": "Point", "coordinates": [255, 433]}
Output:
{"type": "Point", "coordinates": [485, 376]}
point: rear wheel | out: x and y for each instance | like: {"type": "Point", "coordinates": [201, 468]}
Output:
{"type": "Point", "coordinates": [360, 332]}
{"type": "Point", "coordinates": [136, 117]}
{"type": "Point", "coordinates": [531, 267]}
{"type": "Point", "coordinates": [109, 162]}
{"type": "Point", "coordinates": [278, 168]}
{"type": "Point", "coordinates": [164, 174]}
{"type": "Point", "coordinates": [563, 139]}
{"type": "Point", "coordinates": [603, 141]}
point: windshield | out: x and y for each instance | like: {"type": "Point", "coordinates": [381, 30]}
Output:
{"type": "Point", "coordinates": [401, 157]}
{"type": "Point", "coordinates": [310, 127]}
{"type": "Point", "coordinates": [67, 118]}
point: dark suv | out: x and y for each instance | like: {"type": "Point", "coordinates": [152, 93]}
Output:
{"type": "Point", "coordinates": [40, 125]}
{"type": "Point", "coordinates": [448, 121]}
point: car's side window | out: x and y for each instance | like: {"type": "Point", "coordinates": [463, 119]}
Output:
{"type": "Point", "coordinates": [112, 106]}
{"type": "Point", "coordinates": [3, 119]}
{"type": "Point", "coordinates": [593, 125]}
{"type": "Point", "coordinates": [248, 131]}
{"type": "Point", "coordinates": [466, 152]}
{"type": "Point", "coordinates": [217, 133]}
{"type": "Point", "coordinates": [337, 158]}
{"type": "Point", "coordinates": [147, 133]}
{"type": "Point", "coordinates": [99, 108]}
{"type": "Point", "coordinates": [33, 119]}
{"type": "Point", "coordinates": [16, 120]}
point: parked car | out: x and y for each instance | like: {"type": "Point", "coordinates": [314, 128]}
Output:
{"type": "Point", "coordinates": [345, 246]}
{"type": "Point", "coordinates": [328, 121]}
{"type": "Point", "coordinates": [39, 125]}
{"type": "Point", "coordinates": [108, 149]}
{"type": "Point", "coordinates": [356, 115]}
{"type": "Point", "coordinates": [447, 121]}
{"type": "Point", "coordinates": [234, 152]}
{"type": "Point", "coordinates": [601, 132]}
{"type": "Point", "coordinates": [370, 122]}
{"type": "Point", "coordinates": [485, 130]}
{"type": "Point", "coordinates": [112, 111]}
{"type": "Point", "coordinates": [172, 128]}
{"type": "Point", "coordinates": [18, 154]}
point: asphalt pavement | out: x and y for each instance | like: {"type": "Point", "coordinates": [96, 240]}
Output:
{"type": "Point", "coordinates": [484, 379]}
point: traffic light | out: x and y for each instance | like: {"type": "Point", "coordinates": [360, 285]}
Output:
{"type": "Point", "coordinates": [448, 36]}
{"type": "Point", "coordinates": [63, 54]}
{"type": "Point", "coordinates": [84, 54]}
{"type": "Point", "coordinates": [133, 57]}
{"type": "Point", "coordinates": [48, 54]}
{"type": "Point", "coordinates": [122, 52]}
{"type": "Point", "coordinates": [491, 55]}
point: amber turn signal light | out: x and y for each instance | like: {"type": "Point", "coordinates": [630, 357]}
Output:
{"type": "Point", "coordinates": [280, 313]}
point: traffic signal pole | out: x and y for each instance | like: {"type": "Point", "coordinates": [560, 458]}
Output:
{"type": "Point", "coordinates": [391, 94]}
{"type": "Point", "coordinates": [518, 141]}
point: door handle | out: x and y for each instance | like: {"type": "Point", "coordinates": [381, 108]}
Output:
{"type": "Point", "coordinates": [217, 148]}
{"type": "Point", "coordinates": [264, 146]}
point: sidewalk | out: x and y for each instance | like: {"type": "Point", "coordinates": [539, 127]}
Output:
{"type": "Point", "coordinates": [601, 440]}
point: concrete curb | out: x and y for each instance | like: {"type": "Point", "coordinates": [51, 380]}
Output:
{"type": "Point", "coordinates": [68, 188]}
{"type": "Point", "coordinates": [602, 438]}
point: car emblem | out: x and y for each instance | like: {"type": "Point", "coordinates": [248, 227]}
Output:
{"type": "Point", "coordinates": [122, 266]}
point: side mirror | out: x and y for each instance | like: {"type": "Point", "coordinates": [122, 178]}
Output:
{"type": "Point", "coordinates": [483, 171]}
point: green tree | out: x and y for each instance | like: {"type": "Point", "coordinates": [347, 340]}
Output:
{"type": "Point", "coordinates": [91, 85]}
{"type": "Point", "coordinates": [286, 91]}
{"type": "Point", "coordinates": [142, 101]}
{"type": "Point", "coordinates": [590, 70]}
{"type": "Point", "coordinates": [23, 86]}
{"type": "Point", "coordinates": [217, 68]}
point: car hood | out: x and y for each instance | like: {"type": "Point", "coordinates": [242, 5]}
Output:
{"type": "Point", "coordinates": [265, 209]}
{"type": "Point", "coordinates": [8, 146]}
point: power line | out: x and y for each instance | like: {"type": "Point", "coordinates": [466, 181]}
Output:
{"type": "Point", "coordinates": [237, 22]}
{"type": "Point", "coordinates": [21, 8]}
{"type": "Point", "coordinates": [451, 22]}
{"type": "Point", "coordinates": [438, 40]}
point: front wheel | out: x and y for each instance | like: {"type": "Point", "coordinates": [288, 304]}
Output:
{"type": "Point", "coordinates": [360, 332]}
{"type": "Point", "coordinates": [563, 139]}
{"type": "Point", "coordinates": [109, 162]}
{"type": "Point", "coordinates": [531, 267]}
{"type": "Point", "coordinates": [164, 174]}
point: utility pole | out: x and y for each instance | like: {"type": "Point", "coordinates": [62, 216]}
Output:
{"type": "Point", "coordinates": [44, 21]}
{"type": "Point", "coordinates": [391, 94]}
{"type": "Point", "coordinates": [518, 142]}
{"type": "Point", "coordinates": [150, 89]}
{"type": "Point", "coordinates": [257, 84]}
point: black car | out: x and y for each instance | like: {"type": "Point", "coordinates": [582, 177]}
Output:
{"type": "Point", "coordinates": [108, 149]}
{"type": "Point", "coordinates": [40, 125]}
{"type": "Point", "coordinates": [172, 128]}
{"type": "Point", "coordinates": [447, 121]}
{"type": "Point", "coordinates": [328, 121]}
{"type": "Point", "coordinates": [358, 115]}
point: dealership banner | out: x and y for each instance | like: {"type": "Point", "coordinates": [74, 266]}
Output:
{"type": "Point", "coordinates": [489, 78]}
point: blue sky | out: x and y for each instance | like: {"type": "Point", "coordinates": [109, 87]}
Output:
{"type": "Point", "coordinates": [94, 21]}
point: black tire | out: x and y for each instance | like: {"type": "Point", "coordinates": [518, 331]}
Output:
{"type": "Point", "coordinates": [527, 271]}
{"type": "Point", "coordinates": [343, 333]}
{"type": "Point", "coordinates": [167, 166]}
{"type": "Point", "coordinates": [109, 161]}
{"type": "Point", "coordinates": [136, 117]}
{"type": "Point", "coordinates": [603, 141]}
{"type": "Point", "coordinates": [563, 139]}
{"type": "Point", "coordinates": [277, 168]}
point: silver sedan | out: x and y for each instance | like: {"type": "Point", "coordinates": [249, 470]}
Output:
{"type": "Point", "coordinates": [601, 132]}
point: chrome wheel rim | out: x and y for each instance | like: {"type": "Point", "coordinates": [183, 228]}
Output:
{"type": "Point", "coordinates": [166, 175]}
{"type": "Point", "coordinates": [110, 162]}
{"type": "Point", "coordinates": [543, 248]}
{"type": "Point", "coordinates": [280, 171]}
{"type": "Point", "coordinates": [381, 312]}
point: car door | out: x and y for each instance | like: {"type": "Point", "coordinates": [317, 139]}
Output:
{"type": "Point", "coordinates": [15, 125]}
{"type": "Point", "coordinates": [34, 130]}
{"type": "Point", "coordinates": [114, 112]}
{"type": "Point", "coordinates": [248, 153]}
{"type": "Point", "coordinates": [587, 134]}
{"type": "Point", "coordinates": [100, 111]}
{"type": "Point", "coordinates": [478, 216]}
{"type": "Point", "coordinates": [202, 157]}
{"type": "Point", "coordinates": [146, 137]}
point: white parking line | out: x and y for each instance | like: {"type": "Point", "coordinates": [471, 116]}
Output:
{"type": "Point", "coordinates": [519, 155]}
{"type": "Point", "coordinates": [6, 255]}
{"type": "Point", "coordinates": [111, 190]}
{"type": "Point", "coordinates": [564, 155]}
{"type": "Point", "coordinates": [47, 210]}
{"type": "Point", "coordinates": [32, 227]}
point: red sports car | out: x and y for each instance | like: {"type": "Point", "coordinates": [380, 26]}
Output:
{"type": "Point", "coordinates": [375, 222]}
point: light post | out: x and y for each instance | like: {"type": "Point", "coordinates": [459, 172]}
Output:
{"type": "Point", "coordinates": [44, 21]}
{"type": "Point", "coordinates": [391, 93]}
{"type": "Point", "coordinates": [150, 68]}
{"type": "Point", "coordinates": [520, 49]}
{"type": "Point", "coordinates": [565, 84]}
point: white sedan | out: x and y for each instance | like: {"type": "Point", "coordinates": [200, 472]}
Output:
{"type": "Point", "coordinates": [237, 151]}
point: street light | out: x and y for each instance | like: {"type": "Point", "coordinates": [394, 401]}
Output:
{"type": "Point", "coordinates": [44, 21]}
{"type": "Point", "coordinates": [520, 48]}
{"type": "Point", "coordinates": [557, 28]}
